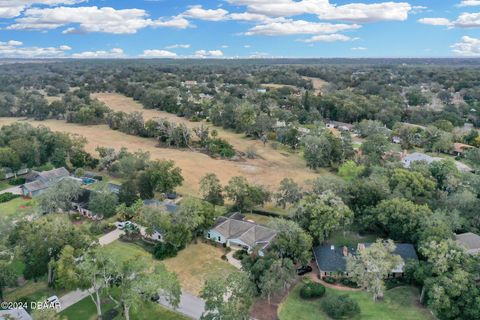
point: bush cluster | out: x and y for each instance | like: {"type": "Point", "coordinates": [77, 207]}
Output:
{"type": "Point", "coordinates": [312, 290]}
{"type": "Point", "coordinates": [5, 197]}
{"type": "Point", "coordinates": [340, 307]}
{"type": "Point", "coordinates": [164, 250]}
{"type": "Point", "coordinates": [16, 181]}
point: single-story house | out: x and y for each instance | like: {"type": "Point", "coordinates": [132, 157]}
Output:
{"type": "Point", "coordinates": [37, 182]}
{"type": "Point", "coordinates": [241, 234]}
{"type": "Point", "coordinates": [81, 205]}
{"type": "Point", "coordinates": [169, 206]}
{"type": "Point", "coordinates": [460, 148]}
{"type": "Point", "coordinates": [332, 260]}
{"type": "Point", "coordinates": [342, 126]}
{"type": "Point", "coordinates": [470, 241]}
{"type": "Point", "coordinates": [15, 314]}
{"type": "Point", "coordinates": [409, 159]}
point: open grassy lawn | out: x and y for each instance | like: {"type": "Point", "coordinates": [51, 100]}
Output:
{"type": "Point", "coordinates": [35, 291]}
{"type": "Point", "coordinates": [196, 263]}
{"type": "Point", "coordinates": [193, 265]}
{"type": "Point", "coordinates": [400, 303]}
{"type": "Point", "coordinates": [349, 238]}
{"type": "Point", "coordinates": [15, 208]}
{"type": "Point", "coordinates": [258, 218]}
{"type": "Point", "coordinates": [86, 310]}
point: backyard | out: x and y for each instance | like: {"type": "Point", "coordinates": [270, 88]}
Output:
{"type": "Point", "coordinates": [193, 265]}
{"type": "Point", "coordinates": [399, 303]}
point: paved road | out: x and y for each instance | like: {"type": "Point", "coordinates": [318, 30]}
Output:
{"type": "Point", "coordinates": [190, 305]}
{"type": "Point", "coordinates": [14, 190]}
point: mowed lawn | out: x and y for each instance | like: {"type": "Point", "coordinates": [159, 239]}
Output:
{"type": "Point", "coordinates": [193, 265]}
{"type": "Point", "coordinates": [15, 208]}
{"type": "Point", "coordinates": [400, 303]}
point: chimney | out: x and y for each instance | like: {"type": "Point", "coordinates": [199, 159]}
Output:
{"type": "Point", "coordinates": [345, 251]}
{"type": "Point", "coordinates": [360, 247]}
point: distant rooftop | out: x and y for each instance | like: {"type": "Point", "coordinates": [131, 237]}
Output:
{"type": "Point", "coordinates": [470, 241]}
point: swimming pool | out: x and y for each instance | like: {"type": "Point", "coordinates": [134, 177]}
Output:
{"type": "Point", "coordinates": [88, 180]}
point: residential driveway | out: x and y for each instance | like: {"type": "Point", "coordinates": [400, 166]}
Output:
{"type": "Point", "coordinates": [190, 305]}
{"type": "Point", "coordinates": [234, 262]}
{"type": "Point", "coordinates": [14, 190]}
{"type": "Point", "coordinates": [71, 298]}
{"type": "Point", "coordinates": [110, 237]}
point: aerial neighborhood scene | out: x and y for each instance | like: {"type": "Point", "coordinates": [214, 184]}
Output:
{"type": "Point", "coordinates": [239, 160]}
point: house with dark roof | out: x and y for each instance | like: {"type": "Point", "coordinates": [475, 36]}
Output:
{"type": "Point", "coordinates": [241, 234]}
{"type": "Point", "coordinates": [169, 206]}
{"type": "Point", "coordinates": [332, 260]}
{"type": "Point", "coordinates": [37, 182]}
{"type": "Point", "coordinates": [470, 241]}
{"type": "Point", "coordinates": [81, 204]}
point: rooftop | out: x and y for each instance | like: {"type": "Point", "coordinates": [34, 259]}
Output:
{"type": "Point", "coordinates": [469, 241]}
{"type": "Point", "coordinates": [330, 258]}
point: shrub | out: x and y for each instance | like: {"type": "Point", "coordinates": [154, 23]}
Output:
{"type": "Point", "coordinates": [164, 250]}
{"type": "Point", "coordinates": [340, 307]}
{"type": "Point", "coordinates": [5, 197]}
{"type": "Point", "coordinates": [224, 257]}
{"type": "Point", "coordinates": [391, 283]}
{"type": "Point", "coordinates": [240, 254]}
{"type": "Point", "coordinates": [330, 280]}
{"type": "Point", "coordinates": [16, 181]}
{"type": "Point", "coordinates": [312, 290]}
{"type": "Point", "coordinates": [349, 283]}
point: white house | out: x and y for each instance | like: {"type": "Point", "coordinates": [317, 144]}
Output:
{"type": "Point", "coordinates": [241, 234]}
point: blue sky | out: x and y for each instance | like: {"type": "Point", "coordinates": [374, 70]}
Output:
{"type": "Point", "coordinates": [239, 28]}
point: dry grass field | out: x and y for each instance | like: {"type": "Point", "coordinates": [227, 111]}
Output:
{"type": "Point", "coordinates": [268, 169]}
{"type": "Point", "coordinates": [318, 84]}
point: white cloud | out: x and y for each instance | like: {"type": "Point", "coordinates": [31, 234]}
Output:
{"type": "Point", "coordinates": [465, 20]}
{"type": "Point", "coordinates": [247, 46]}
{"type": "Point", "coordinates": [197, 12]}
{"type": "Point", "coordinates": [327, 38]}
{"type": "Point", "coordinates": [468, 20]}
{"type": "Point", "coordinates": [13, 8]}
{"type": "Point", "coordinates": [158, 54]}
{"type": "Point", "coordinates": [210, 53]}
{"type": "Point", "coordinates": [92, 19]}
{"type": "Point", "coordinates": [469, 3]}
{"type": "Point", "coordinates": [15, 49]}
{"type": "Point", "coordinates": [468, 47]}
{"type": "Point", "coordinates": [358, 12]}
{"type": "Point", "coordinates": [291, 27]}
{"type": "Point", "coordinates": [436, 21]}
{"type": "Point", "coordinates": [224, 46]}
{"type": "Point", "coordinates": [102, 54]}
{"type": "Point", "coordinates": [358, 48]}
{"type": "Point", "coordinates": [178, 46]}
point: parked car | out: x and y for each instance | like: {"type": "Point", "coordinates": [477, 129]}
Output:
{"type": "Point", "coordinates": [123, 224]}
{"type": "Point", "coordinates": [53, 300]}
{"type": "Point", "coordinates": [304, 270]}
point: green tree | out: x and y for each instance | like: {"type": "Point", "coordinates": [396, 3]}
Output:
{"type": "Point", "coordinates": [227, 298]}
{"type": "Point", "coordinates": [371, 265]}
{"type": "Point", "coordinates": [279, 277]}
{"type": "Point", "coordinates": [401, 219]}
{"type": "Point", "coordinates": [411, 185]}
{"type": "Point", "coordinates": [8, 277]}
{"type": "Point", "coordinates": [211, 189]}
{"type": "Point", "coordinates": [322, 214]}
{"type": "Point", "coordinates": [60, 196]}
{"type": "Point", "coordinates": [350, 170]}
{"type": "Point", "coordinates": [103, 203]}
{"type": "Point", "coordinates": [288, 192]}
{"type": "Point", "coordinates": [291, 241]}
{"type": "Point", "coordinates": [245, 196]}
{"type": "Point", "coordinates": [374, 148]}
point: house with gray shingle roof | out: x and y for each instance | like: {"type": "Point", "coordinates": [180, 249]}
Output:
{"type": "Point", "coordinates": [470, 241]}
{"type": "Point", "coordinates": [241, 234]}
{"type": "Point", "coordinates": [409, 159]}
{"type": "Point", "coordinates": [332, 260]}
{"type": "Point", "coordinates": [40, 181]}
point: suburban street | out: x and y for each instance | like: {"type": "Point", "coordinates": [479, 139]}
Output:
{"type": "Point", "coordinates": [190, 305]}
